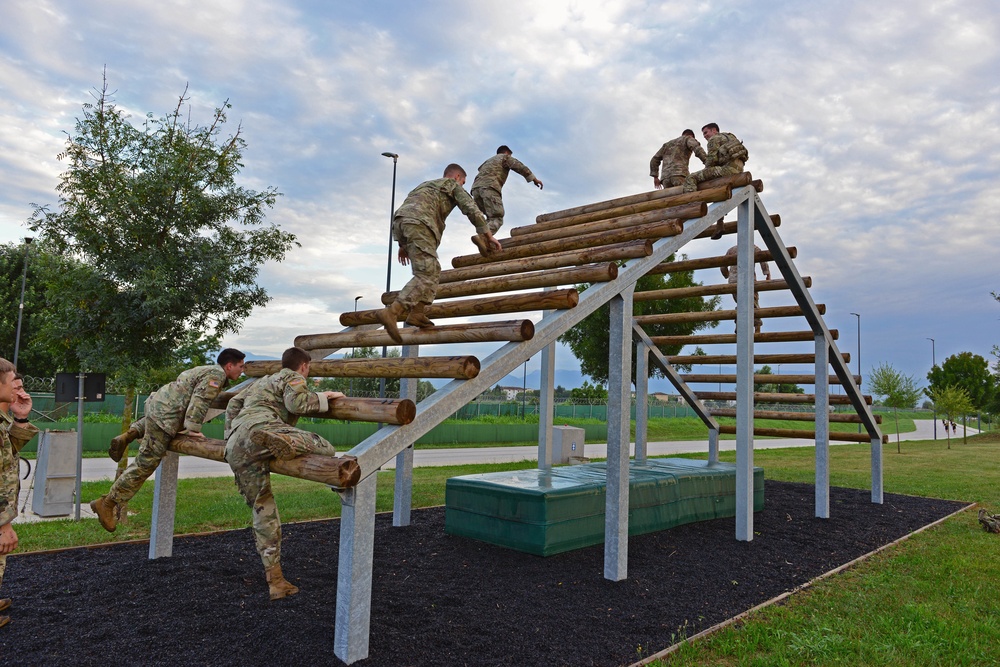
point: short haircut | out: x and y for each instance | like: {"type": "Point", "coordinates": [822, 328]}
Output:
{"type": "Point", "coordinates": [454, 169]}
{"type": "Point", "coordinates": [710, 126]}
{"type": "Point", "coordinates": [687, 133]}
{"type": "Point", "coordinates": [18, 376]}
{"type": "Point", "coordinates": [230, 356]}
{"type": "Point", "coordinates": [504, 149]}
{"type": "Point", "coordinates": [6, 367]}
{"type": "Point", "coordinates": [294, 357]}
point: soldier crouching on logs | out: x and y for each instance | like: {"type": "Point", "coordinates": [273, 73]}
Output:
{"type": "Point", "coordinates": [726, 157]}
{"type": "Point", "coordinates": [260, 426]}
{"type": "Point", "coordinates": [175, 408]}
{"type": "Point", "coordinates": [417, 227]}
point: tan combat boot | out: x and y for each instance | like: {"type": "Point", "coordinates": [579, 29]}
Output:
{"type": "Point", "coordinates": [388, 316]}
{"type": "Point", "coordinates": [5, 604]}
{"type": "Point", "coordinates": [277, 585]}
{"type": "Point", "coordinates": [120, 443]}
{"type": "Point", "coordinates": [720, 229]}
{"type": "Point", "coordinates": [417, 318]}
{"type": "Point", "coordinates": [279, 444]}
{"type": "Point", "coordinates": [4, 620]}
{"type": "Point", "coordinates": [484, 249]}
{"type": "Point", "coordinates": [105, 508]}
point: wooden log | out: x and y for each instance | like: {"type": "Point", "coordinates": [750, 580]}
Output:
{"type": "Point", "coordinates": [762, 378]}
{"type": "Point", "coordinates": [460, 368]}
{"type": "Point", "coordinates": [386, 410]}
{"type": "Point", "coordinates": [839, 436]}
{"type": "Point", "coordinates": [721, 315]}
{"type": "Point", "coordinates": [736, 181]}
{"type": "Point", "coordinates": [339, 471]}
{"type": "Point", "coordinates": [711, 290]}
{"type": "Point", "coordinates": [493, 305]}
{"type": "Point", "coordinates": [766, 337]}
{"type": "Point", "coordinates": [764, 397]}
{"type": "Point", "coordinates": [685, 212]}
{"type": "Point", "coordinates": [607, 253]}
{"type": "Point", "coordinates": [714, 262]}
{"type": "Point", "coordinates": [475, 332]}
{"type": "Point", "coordinates": [712, 359]}
{"type": "Point", "coordinates": [592, 273]}
{"type": "Point", "coordinates": [841, 417]}
{"type": "Point", "coordinates": [656, 230]}
{"type": "Point", "coordinates": [730, 227]}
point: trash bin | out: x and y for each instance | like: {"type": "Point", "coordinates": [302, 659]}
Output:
{"type": "Point", "coordinates": [567, 443]}
{"type": "Point", "coordinates": [55, 474]}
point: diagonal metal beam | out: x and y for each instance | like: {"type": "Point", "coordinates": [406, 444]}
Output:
{"type": "Point", "coordinates": [675, 379]}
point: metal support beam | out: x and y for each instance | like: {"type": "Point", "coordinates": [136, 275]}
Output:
{"type": "Point", "coordinates": [546, 403]}
{"type": "Point", "coordinates": [619, 413]}
{"type": "Point", "coordinates": [877, 469]}
{"type": "Point", "coordinates": [674, 377]}
{"type": "Point", "coordinates": [713, 445]}
{"type": "Point", "coordinates": [402, 495]}
{"type": "Point", "coordinates": [822, 427]}
{"type": "Point", "coordinates": [641, 402]}
{"type": "Point", "coordinates": [354, 571]}
{"type": "Point", "coordinates": [744, 371]}
{"type": "Point", "coordinates": [161, 536]}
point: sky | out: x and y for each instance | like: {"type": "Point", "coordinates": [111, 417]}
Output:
{"type": "Point", "coordinates": [875, 128]}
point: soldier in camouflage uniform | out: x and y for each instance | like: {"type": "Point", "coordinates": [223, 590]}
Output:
{"type": "Point", "coordinates": [488, 184]}
{"type": "Point", "coordinates": [175, 408]}
{"type": "Point", "coordinates": [675, 155]}
{"type": "Point", "coordinates": [729, 272]}
{"type": "Point", "coordinates": [417, 227]}
{"type": "Point", "coordinates": [726, 157]}
{"type": "Point", "coordinates": [260, 426]}
{"type": "Point", "coordinates": [14, 434]}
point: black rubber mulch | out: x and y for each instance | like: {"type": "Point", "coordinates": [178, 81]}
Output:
{"type": "Point", "coordinates": [437, 600]}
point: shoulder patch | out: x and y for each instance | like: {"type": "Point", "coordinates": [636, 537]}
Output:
{"type": "Point", "coordinates": [296, 381]}
{"type": "Point", "coordinates": [214, 383]}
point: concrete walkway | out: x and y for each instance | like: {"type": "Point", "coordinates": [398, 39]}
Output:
{"type": "Point", "coordinates": [96, 469]}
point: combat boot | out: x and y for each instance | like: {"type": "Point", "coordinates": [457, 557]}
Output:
{"type": "Point", "coordinates": [277, 585]}
{"type": "Point", "coordinates": [719, 229]}
{"type": "Point", "coordinates": [480, 243]}
{"type": "Point", "coordinates": [4, 620]}
{"type": "Point", "coordinates": [105, 508]}
{"type": "Point", "coordinates": [417, 318]}
{"type": "Point", "coordinates": [388, 316]}
{"type": "Point", "coordinates": [279, 444]}
{"type": "Point", "coordinates": [120, 443]}
{"type": "Point", "coordinates": [5, 604]}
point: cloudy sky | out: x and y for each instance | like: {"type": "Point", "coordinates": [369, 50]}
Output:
{"type": "Point", "coordinates": [874, 127]}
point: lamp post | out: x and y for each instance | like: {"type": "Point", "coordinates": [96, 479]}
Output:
{"type": "Point", "coordinates": [859, 356]}
{"type": "Point", "coordinates": [388, 263]}
{"type": "Point", "coordinates": [20, 308]}
{"type": "Point", "coordinates": [933, 364]}
{"type": "Point", "coordinates": [350, 389]}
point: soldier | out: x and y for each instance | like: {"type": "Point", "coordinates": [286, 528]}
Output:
{"type": "Point", "coordinates": [417, 227]}
{"type": "Point", "coordinates": [175, 408]}
{"type": "Point", "coordinates": [488, 184]}
{"type": "Point", "coordinates": [675, 156]}
{"type": "Point", "coordinates": [730, 273]}
{"type": "Point", "coordinates": [260, 426]}
{"type": "Point", "coordinates": [726, 157]}
{"type": "Point", "coordinates": [6, 418]}
{"type": "Point", "coordinates": [13, 437]}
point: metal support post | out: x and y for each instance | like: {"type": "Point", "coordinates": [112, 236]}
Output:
{"type": "Point", "coordinates": [641, 402]}
{"type": "Point", "coordinates": [744, 372]}
{"type": "Point", "coordinates": [877, 469]}
{"type": "Point", "coordinates": [161, 536]}
{"type": "Point", "coordinates": [402, 495]}
{"type": "Point", "coordinates": [822, 426]}
{"type": "Point", "coordinates": [619, 403]}
{"type": "Point", "coordinates": [546, 403]}
{"type": "Point", "coordinates": [354, 571]}
{"type": "Point", "coordinates": [79, 441]}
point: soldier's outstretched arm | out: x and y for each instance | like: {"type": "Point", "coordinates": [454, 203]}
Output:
{"type": "Point", "coordinates": [204, 393]}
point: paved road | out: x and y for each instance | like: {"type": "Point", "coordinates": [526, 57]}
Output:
{"type": "Point", "coordinates": [97, 469]}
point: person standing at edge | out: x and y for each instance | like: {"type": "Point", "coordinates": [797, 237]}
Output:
{"type": "Point", "coordinates": [675, 156]}
{"type": "Point", "coordinates": [13, 437]}
{"type": "Point", "coordinates": [726, 157]}
{"type": "Point", "coordinates": [417, 227]}
{"type": "Point", "coordinates": [175, 408]}
{"type": "Point", "coordinates": [487, 187]}
{"type": "Point", "coordinates": [260, 426]}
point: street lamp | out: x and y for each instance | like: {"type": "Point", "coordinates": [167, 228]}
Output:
{"type": "Point", "coordinates": [859, 356]}
{"type": "Point", "coordinates": [350, 389]}
{"type": "Point", "coordinates": [20, 308]}
{"type": "Point", "coordinates": [388, 263]}
{"type": "Point", "coordinates": [933, 364]}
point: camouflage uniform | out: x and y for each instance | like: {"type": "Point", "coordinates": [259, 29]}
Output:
{"type": "Point", "coordinates": [719, 163]}
{"type": "Point", "coordinates": [417, 227]}
{"type": "Point", "coordinates": [675, 156]}
{"type": "Point", "coordinates": [274, 403]}
{"type": "Point", "coordinates": [731, 270]}
{"type": "Point", "coordinates": [13, 437]}
{"type": "Point", "coordinates": [175, 407]}
{"type": "Point", "coordinates": [489, 182]}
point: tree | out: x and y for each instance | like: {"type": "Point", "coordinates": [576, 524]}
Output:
{"type": "Point", "coordinates": [896, 391]}
{"type": "Point", "coordinates": [589, 392]}
{"type": "Point", "coordinates": [952, 401]}
{"type": "Point", "coordinates": [589, 340]}
{"type": "Point", "coordinates": [969, 371]}
{"type": "Point", "coordinates": [774, 387]}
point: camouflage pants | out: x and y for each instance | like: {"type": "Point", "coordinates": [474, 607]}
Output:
{"type": "Point", "coordinates": [673, 181]}
{"type": "Point", "coordinates": [757, 322]}
{"type": "Point", "coordinates": [708, 173]}
{"type": "Point", "coordinates": [490, 203]}
{"type": "Point", "coordinates": [251, 466]}
{"type": "Point", "coordinates": [422, 248]}
{"type": "Point", "coordinates": [152, 449]}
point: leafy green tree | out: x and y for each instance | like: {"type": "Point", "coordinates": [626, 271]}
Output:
{"type": "Point", "coordinates": [969, 371]}
{"type": "Point", "coordinates": [951, 400]}
{"type": "Point", "coordinates": [896, 391]}
{"type": "Point", "coordinates": [774, 387]}
{"type": "Point", "coordinates": [589, 340]}
{"type": "Point", "coordinates": [589, 392]}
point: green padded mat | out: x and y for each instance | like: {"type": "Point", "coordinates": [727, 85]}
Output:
{"type": "Point", "coordinates": [550, 512]}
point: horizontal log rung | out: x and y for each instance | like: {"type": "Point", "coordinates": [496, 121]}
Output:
{"type": "Point", "coordinates": [711, 290]}
{"type": "Point", "coordinates": [761, 378]}
{"type": "Point", "coordinates": [494, 305]}
{"type": "Point", "coordinates": [398, 411]}
{"type": "Point", "coordinates": [475, 332]}
{"type": "Point", "coordinates": [714, 262]}
{"type": "Point", "coordinates": [766, 397]}
{"type": "Point", "coordinates": [456, 368]}
{"type": "Point", "coordinates": [839, 417]}
{"type": "Point", "coordinates": [722, 315]}
{"type": "Point", "coordinates": [721, 339]}
{"type": "Point", "coordinates": [840, 436]}
{"type": "Point", "coordinates": [714, 359]}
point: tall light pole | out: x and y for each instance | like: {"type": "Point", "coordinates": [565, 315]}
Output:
{"type": "Point", "coordinates": [859, 356]}
{"type": "Point", "coordinates": [350, 389]}
{"type": "Point", "coordinates": [20, 308]}
{"type": "Point", "coordinates": [933, 364]}
{"type": "Point", "coordinates": [388, 263]}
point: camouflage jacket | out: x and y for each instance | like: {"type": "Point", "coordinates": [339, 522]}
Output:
{"type": "Point", "coordinates": [430, 203]}
{"type": "Point", "coordinates": [274, 399]}
{"type": "Point", "coordinates": [723, 149]}
{"type": "Point", "coordinates": [182, 404]}
{"type": "Point", "coordinates": [493, 173]}
{"type": "Point", "coordinates": [729, 271]}
{"type": "Point", "coordinates": [675, 156]}
{"type": "Point", "coordinates": [12, 438]}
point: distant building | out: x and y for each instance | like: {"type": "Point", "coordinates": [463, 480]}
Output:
{"type": "Point", "coordinates": [665, 398]}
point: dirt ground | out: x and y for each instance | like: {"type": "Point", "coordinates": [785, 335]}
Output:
{"type": "Point", "coordinates": [437, 600]}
